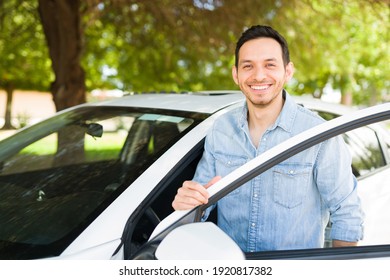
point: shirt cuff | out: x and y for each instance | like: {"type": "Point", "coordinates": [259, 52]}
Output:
{"type": "Point", "coordinates": [350, 234]}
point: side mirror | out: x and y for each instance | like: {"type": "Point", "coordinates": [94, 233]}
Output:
{"type": "Point", "coordinates": [198, 241]}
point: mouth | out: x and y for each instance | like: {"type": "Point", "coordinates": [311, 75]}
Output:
{"type": "Point", "coordinates": [260, 87]}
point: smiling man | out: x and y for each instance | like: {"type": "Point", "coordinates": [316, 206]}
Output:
{"type": "Point", "coordinates": [289, 206]}
{"type": "Point", "coordinates": [261, 73]}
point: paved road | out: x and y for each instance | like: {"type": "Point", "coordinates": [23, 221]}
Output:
{"type": "Point", "coordinates": [30, 105]}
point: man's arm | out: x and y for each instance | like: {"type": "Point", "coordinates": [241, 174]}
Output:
{"type": "Point", "coordinates": [340, 243]}
{"type": "Point", "coordinates": [338, 188]}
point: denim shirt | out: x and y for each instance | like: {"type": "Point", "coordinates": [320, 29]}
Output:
{"type": "Point", "coordinates": [288, 206]}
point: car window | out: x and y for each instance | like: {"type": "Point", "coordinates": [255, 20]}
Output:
{"type": "Point", "coordinates": [363, 143]}
{"type": "Point", "coordinates": [386, 139]}
{"type": "Point", "coordinates": [57, 177]}
{"type": "Point", "coordinates": [367, 155]}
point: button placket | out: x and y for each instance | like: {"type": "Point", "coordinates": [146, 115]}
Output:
{"type": "Point", "coordinates": [255, 207]}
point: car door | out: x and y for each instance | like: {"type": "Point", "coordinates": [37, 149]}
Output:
{"type": "Point", "coordinates": [257, 166]}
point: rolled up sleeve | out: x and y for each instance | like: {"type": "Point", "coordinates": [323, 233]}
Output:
{"type": "Point", "coordinates": [338, 188]}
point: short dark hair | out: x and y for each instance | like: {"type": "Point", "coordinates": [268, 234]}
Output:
{"type": "Point", "coordinates": [262, 31]}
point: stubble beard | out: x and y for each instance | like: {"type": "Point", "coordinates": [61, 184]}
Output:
{"type": "Point", "coordinates": [263, 102]}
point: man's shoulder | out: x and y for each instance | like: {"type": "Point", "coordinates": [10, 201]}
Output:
{"type": "Point", "coordinates": [312, 116]}
{"type": "Point", "coordinates": [230, 122]}
{"type": "Point", "coordinates": [297, 118]}
{"type": "Point", "coordinates": [301, 112]}
{"type": "Point", "coordinates": [232, 116]}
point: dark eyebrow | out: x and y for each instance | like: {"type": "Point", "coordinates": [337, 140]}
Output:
{"type": "Point", "coordinates": [244, 61]}
{"type": "Point", "coordinates": [271, 59]}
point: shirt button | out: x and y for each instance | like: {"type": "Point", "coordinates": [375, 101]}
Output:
{"type": "Point", "coordinates": [291, 172]}
{"type": "Point", "coordinates": [253, 224]}
{"type": "Point", "coordinates": [255, 195]}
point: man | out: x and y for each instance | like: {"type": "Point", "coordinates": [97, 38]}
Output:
{"type": "Point", "coordinates": [288, 206]}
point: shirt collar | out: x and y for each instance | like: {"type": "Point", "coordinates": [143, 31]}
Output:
{"type": "Point", "coordinates": [285, 119]}
{"type": "Point", "coordinates": [287, 115]}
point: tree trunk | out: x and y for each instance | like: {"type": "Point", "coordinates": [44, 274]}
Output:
{"type": "Point", "coordinates": [61, 24]}
{"type": "Point", "coordinates": [346, 98]}
{"type": "Point", "coordinates": [8, 109]}
{"type": "Point", "coordinates": [374, 96]}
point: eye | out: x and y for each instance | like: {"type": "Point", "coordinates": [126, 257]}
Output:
{"type": "Point", "coordinates": [270, 65]}
{"type": "Point", "coordinates": [246, 66]}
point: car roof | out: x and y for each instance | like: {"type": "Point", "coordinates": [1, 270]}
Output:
{"type": "Point", "coordinates": [208, 102]}
{"type": "Point", "coordinates": [201, 102]}
{"type": "Point", "coordinates": [319, 105]}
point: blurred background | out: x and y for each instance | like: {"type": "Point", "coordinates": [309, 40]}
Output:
{"type": "Point", "coordinates": [59, 53]}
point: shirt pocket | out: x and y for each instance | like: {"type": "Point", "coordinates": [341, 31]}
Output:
{"type": "Point", "coordinates": [291, 183]}
{"type": "Point", "coordinates": [226, 164]}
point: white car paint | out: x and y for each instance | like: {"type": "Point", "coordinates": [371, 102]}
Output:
{"type": "Point", "coordinates": [198, 241]}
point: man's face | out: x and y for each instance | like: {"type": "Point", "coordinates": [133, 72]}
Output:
{"type": "Point", "coordinates": [261, 74]}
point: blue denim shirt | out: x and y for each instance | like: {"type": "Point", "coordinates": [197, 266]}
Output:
{"type": "Point", "coordinates": [288, 206]}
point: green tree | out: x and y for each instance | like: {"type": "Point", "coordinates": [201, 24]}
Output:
{"type": "Point", "coordinates": [172, 45]}
{"type": "Point", "coordinates": [24, 63]}
{"type": "Point", "coordinates": [343, 44]}
{"type": "Point", "coordinates": [188, 45]}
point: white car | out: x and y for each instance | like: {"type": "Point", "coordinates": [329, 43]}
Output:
{"type": "Point", "coordinates": [96, 181]}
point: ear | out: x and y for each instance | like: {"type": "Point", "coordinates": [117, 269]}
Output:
{"type": "Point", "coordinates": [289, 71]}
{"type": "Point", "coordinates": [235, 74]}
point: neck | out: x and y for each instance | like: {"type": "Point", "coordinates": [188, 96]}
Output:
{"type": "Point", "coordinates": [260, 117]}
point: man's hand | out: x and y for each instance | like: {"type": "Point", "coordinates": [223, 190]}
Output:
{"type": "Point", "coordinates": [192, 194]}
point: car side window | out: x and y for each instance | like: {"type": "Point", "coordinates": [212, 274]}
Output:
{"type": "Point", "coordinates": [367, 155]}
{"type": "Point", "coordinates": [363, 143]}
{"type": "Point", "coordinates": [386, 141]}
{"type": "Point", "coordinates": [150, 134]}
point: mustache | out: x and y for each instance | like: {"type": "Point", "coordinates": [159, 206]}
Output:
{"type": "Point", "coordinates": [264, 81]}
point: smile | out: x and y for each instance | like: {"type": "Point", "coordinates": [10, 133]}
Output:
{"type": "Point", "coordinates": [262, 87]}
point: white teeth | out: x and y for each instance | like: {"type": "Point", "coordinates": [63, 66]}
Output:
{"type": "Point", "coordinates": [259, 87]}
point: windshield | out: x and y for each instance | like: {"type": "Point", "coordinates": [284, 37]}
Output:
{"type": "Point", "coordinates": [56, 177]}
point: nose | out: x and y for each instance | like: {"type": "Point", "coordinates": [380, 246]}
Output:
{"type": "Point", "coordinates": [259, 73]}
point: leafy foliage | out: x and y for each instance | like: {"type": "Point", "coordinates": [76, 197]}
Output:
{"type": "Point", "coordinates": [344, 44]}
{"type": "Point", "coordinates": [189, 45]}
{"type": "Point", "coordinates": [184, 45]}
{"type": "Point", "coordinates": [24, 63]}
